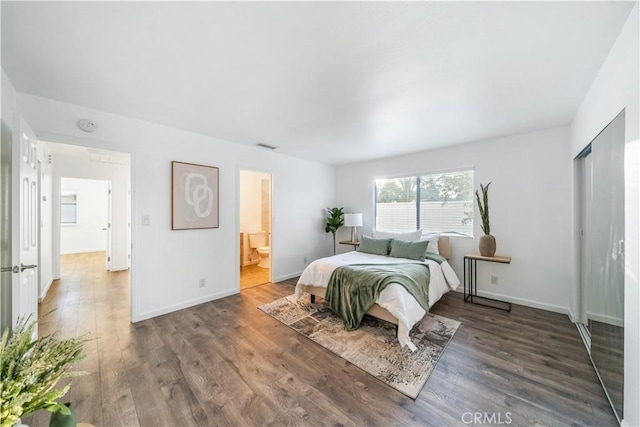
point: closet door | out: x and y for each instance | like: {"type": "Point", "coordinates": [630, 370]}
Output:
{"type": "Point", "coordinates": [606, 309]}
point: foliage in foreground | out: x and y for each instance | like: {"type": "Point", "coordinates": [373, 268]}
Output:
{"type": "Point", "coordinates": [30, 370]}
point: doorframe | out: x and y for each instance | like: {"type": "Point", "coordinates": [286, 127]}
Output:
{"type": "Point", "coordinates": [581, 201]}
{"type": "Point", "coordinates": [272, 230]}
{"type": "Point", "coordinates": [55, 184]}
{"type": "Point", "coordinates": [57, 226]}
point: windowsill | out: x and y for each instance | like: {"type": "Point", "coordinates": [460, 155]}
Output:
{"type": "Point", "coordinates": [456, 234]}
{"type": "Point", "coordinates": [69, 225]}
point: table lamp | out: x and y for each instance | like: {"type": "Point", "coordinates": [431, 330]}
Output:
{"type": "Point", "coordinates": [353, 220]}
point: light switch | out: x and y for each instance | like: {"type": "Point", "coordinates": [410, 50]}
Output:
{"type": "Point", "coordinates": [146, 220]}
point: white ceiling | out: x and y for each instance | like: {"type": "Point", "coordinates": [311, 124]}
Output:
{"type": "Point", "coordinates": [332, 82]}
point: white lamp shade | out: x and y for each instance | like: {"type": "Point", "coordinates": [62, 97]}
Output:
{"type": "Point", "coordinates": [353, 220]}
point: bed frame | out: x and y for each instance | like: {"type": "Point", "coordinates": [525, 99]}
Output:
{"type": "Point", "coordinates": [444, 247]}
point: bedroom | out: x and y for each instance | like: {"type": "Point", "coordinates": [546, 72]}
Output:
{"type": "Point", "coordinates": [510, 158]}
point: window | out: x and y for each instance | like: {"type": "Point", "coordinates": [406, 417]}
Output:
{"type": "Point", "coordinates": [441, 202]}
{"type": "Point", "coordinates": [68, 209]}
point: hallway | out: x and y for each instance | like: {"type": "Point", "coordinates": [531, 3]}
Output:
{"type": "Point", "coordinates": [90, 300]}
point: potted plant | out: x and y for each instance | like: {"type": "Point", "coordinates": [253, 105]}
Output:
{"type": "Point", "coordinates": [487, 241]}
{"type": "Point", "coordinates": [30, 370]}
{"type": "Point", "coordinates": [335, 220]}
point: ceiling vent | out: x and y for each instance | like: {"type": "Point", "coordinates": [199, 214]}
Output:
{"type": "Point", "coordinates": [267, 146]}
{"type": "Point", "coordinates": [107, 157]}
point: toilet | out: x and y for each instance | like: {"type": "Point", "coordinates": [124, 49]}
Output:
{"type": "Point", "coordinates": [258, 241]}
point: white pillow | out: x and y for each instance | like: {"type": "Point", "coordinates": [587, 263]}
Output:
{"type": "Point", "coordinates": [433, 242]}
{"type": "Point", "coordinates": [410, 236]}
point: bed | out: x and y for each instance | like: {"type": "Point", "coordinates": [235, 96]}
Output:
{"type": "Point", "coordinates": [394, 303]}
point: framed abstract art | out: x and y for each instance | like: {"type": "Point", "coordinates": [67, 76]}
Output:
{"type": "Point", "coordinates": [194, 196]}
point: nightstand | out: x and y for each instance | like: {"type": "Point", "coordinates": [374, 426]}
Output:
{"type": "Point", "coordinates": [349, 242]}
{"type": "Point", "coordinates": [471, 282]}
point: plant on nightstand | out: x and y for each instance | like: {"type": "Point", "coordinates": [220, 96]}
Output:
{"type": "Point", "coordinates": [335, 220]}
{"type": "Point", "coordinates": [487, 242]}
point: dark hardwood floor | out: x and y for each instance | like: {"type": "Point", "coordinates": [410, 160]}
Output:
{"type": "Point", "coordinates": [228, 363]}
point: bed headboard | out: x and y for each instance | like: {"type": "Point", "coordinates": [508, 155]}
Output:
{"type": "Point", "coordinates": [444, 246]}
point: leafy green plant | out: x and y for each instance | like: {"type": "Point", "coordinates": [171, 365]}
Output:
{"type": "Point", "coordinates": [484, 208]}
{"type": "Point", "coordinates": [30, 370]}
{"type": "Point", "coordinates": [335, 220]}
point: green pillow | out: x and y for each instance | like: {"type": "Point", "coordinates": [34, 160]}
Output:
{"type": "Point", "coordinates": [374, 246]}
{"type": "Point", "coordinates": [409, 250]}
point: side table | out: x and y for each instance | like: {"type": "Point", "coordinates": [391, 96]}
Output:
{"type": "Point", "coordinates": [352, 243]}
{"type": "Point", "coordinates": [471, 281]}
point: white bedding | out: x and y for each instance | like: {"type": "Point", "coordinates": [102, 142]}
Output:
{"type": "Point", "coordinates": [394, 297]}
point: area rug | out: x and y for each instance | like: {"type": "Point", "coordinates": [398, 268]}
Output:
{"type": "Point", "coordinates": [374, 346]}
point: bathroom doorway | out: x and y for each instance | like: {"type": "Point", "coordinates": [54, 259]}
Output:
{"type": "Point", "coordinates": [255, 228]}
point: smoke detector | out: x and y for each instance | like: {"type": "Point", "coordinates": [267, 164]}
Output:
{"type": "Point", "coordinates": [87, 125]}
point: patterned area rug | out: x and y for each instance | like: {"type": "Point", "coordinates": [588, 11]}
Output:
{"type": "Point", "coordinates": [374, 346]}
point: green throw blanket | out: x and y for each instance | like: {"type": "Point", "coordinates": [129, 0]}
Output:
{"type": "Point", "coordinates": [353, 289]}
{"type": "Point", "coordinates": [435, 257]}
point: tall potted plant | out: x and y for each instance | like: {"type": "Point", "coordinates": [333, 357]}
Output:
{"type": "Point", "coordinates": [487, 241]}
{"type": "Point", "coordinates": [335, 220]}
{"type": "Point", "coordinates": [30, 370]}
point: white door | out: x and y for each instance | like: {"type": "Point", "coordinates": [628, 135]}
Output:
{"type": "Point", "coordinates": [25, 227]}
{"type": "Point", "coordinates": [128, 213]}
{"type": "Point", "coordinates": [108, 261]}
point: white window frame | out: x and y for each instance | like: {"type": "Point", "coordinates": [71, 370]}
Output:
{"type": "Point", "coordinates": [62, 203]}
{"type": "Point", "coordinates": [470, 227]}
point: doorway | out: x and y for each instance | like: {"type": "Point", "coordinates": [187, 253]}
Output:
{"type": "Point", "coordinates": [91, 216]}
{"type": "Point", "coordinates": [255, 228]}
{"type": "Point", "coordinates": [85, 226]}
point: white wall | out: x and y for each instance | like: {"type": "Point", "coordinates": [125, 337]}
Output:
{"type": "Point", "coordinates": [615, 88]}
{"type": "Point", "coordinates": [250, 207]}
{"type": "Point", "coordinates": [530, 209]}
{"type": "Point", "coordinates": [92, 204]}
{"type": "Point", "coordinates": [166, 264]}
{"type": "Point", "coordinates": [79, 165]}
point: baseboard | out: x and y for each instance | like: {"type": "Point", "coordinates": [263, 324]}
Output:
{"type": "Point", "coordinates": [121, 268]}
{"type": "Point", "coordinates": [182, 305]}
{"type": "Point", "coordinates": [606, 319]}
{"type": "Point", "coordinates": [43, 294]}
{"type": "Point", "coordinates": [522, 301]}
{"type": "Point", "coordinates": [82, 251]}
{"type": "Point", "coordinates": [286, 276]}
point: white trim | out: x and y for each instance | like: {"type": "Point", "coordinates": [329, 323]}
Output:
{"type": "Point", "coordinates": [83, 251]}
{"type": "Point", "coordinates": [602, 318]}
{"type": "Point", "coordinates": [120, 268]}
{"type": "Point", "coordinates": [43, 294]}
{"type": "Point", "coordinates": [572, 316]}
{"type": "Point", "coordinates": [287, 276]}
{"type": "Point", "coordinates": [183, 305]}
{"type": "Point", "coordinates": [522, 301]}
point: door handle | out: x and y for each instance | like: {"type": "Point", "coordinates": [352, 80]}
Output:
{"type": "Point", "coordinates": [15, 269]}
{"type": "Point", "coordinates": [26, 267]}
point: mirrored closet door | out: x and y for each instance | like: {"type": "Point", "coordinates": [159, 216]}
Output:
{"type": "Point", "coordinates": [601, 174]}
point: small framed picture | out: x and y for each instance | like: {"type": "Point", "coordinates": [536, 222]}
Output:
{"type": "Point", "coordinates": [194, 196]}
